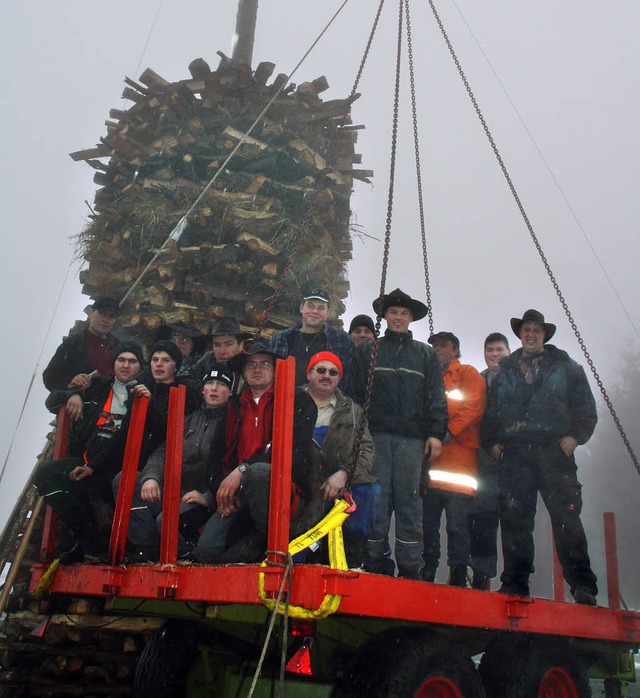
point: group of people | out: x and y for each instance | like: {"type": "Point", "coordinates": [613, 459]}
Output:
{"type": "Point", "coordinates": [438, 437]}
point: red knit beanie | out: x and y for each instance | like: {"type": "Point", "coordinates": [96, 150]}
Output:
{"type": "Point", "coordinates": [324, 356]}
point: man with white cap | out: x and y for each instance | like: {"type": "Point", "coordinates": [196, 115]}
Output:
{"type": "Point", "coordinates": [539, 408]}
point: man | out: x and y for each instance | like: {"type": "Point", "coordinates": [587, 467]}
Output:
{"type": "Point", "coordinates": [484, 513]}
{"type": "Point", "coordinates": [96, 414]}
{"type": "Point", "coordinates": [202, 447]}
{"type": "Point", "coordinates": [187, 339]}
{"type": "Point", "coordinates": [227, 341]}
{"type": "Point", "coordinates": [237, 532]}
{"type": "Point", "coordinates": [332, 454]}
{"type": "Point", "coordinates": [540, 407]}
{"type": "Point", "coordinates": [313, 334]}
{"type": "Point", "coordinates": [361, 329]}
{"type": "Point", "coordinates": [85, 350]}
{"type": "Point", "coordinates": [408, 421]}
{"type": "Point", "coordinates": [453, 475]}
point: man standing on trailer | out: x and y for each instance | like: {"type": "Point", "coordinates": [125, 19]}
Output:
{"type": "Point", "coordinates": [362, 329]}
{"type": "Point", "coordinates": [453, 476]}
{"type": "Point", "coordinates": [484, 515]}
{"type": "Point", "coordinates": [313, 334]}
{"type": "Point", "coordinates": [540, 407]}
{"type": "Point", "coordinates": [408, 421]}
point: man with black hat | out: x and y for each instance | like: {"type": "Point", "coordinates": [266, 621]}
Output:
{"type": "Point", "coordinates": [237, 532]}
{"type": "Point", "coordinates": [361, 329]}
{"type": "Point", "coordinates": [227, 341]}
{"type": "Point", "coordinates": [408, 421]}
{"type": "Point", "coordinates": [96, 416]}
{"type": "Point", "coordinates": [304, 339]}
{"type": "Point", "coordinates": [540, 407]}
{"type": "Point", "coordinates": [85, 350]}
{"type": "Point", "coordinates": [453, 476]}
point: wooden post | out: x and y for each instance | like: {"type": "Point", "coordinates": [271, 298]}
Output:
{"type": "Point", "coordinates": [245, 31]}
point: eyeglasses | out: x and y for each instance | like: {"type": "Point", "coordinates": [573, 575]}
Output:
{"type": "Point", "coordinates": [180, 339]}
{"type": "Point", "coordinates": [122, 361]}
{"type": "Point", "coordinates": [321, 370]}
{"type": "Point", "coordinates": [252, 365]}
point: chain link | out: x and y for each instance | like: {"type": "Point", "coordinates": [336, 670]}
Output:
{"type": "Point", "coordinates": [536, 242]}
{"type": "Point", "coordinates": [416, 147]}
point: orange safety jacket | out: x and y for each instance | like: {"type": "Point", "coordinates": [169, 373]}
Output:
{"type": "Point", "coordinates": [456, 470]}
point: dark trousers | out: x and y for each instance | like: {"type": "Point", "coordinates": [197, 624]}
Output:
{"type": "Point", "coordinates": [526, 470]}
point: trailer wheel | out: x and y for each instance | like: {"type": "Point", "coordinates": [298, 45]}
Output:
{"type": "Point", "coordinates": [533, 668]}
{"type": "Point", "coordinates": [409, 662]}
{"type": "Point", "coordinates": [164, 662]}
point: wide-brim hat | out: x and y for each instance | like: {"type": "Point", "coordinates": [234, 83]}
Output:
{"type": "Point", "coordinates": [228, 326]}
{"type": "Point", "coordinates": [532, 315]}
{"type": "Point", "coordinates": [403, 300]}
{"type": "Point", "coordinates": [258, 347]}
{"type": "Point", "coordinates": [183, 329]}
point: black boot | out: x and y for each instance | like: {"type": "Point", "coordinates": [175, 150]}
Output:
{"type": "Point", "coordinates": [429, 574]}
{"type": "Point", "coordinates": [458, 576]}
{"type": "Point", "coordinates": [481, 581]}
{"type": "Point", "coordinates": [82, 523]}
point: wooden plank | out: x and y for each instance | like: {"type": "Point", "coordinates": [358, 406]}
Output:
{"type": "Point", "coordinates": [100, 151]}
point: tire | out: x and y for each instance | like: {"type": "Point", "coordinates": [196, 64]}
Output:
{"type": "Point", "coordinates": [533, 667]}
{"type": "Point", "coordinates": [411, 664]}
{"type": "Point", "coordinates": [162, 668]}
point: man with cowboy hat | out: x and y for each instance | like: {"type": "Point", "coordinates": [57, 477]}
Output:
{"type": "Point", "coordinates": [408, 421]}
{"type": "Point", "coordinates": [539, 408]}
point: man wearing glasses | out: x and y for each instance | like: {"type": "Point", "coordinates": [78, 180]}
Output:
{"type": "Point", "coordinates": [237, 531]}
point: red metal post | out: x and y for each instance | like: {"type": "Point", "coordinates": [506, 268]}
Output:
{"type": "Point", "coordinates": [172, 477]}
{"type": "Point", "coordinates": [281, 453]}
{"type": "Point", "coordinates": [50, 527]}
{"type": "Point", "coordinates": [611, 555]}
{"type": "Point", "coordinates": [127, 480]}
{"type": "Point", "coordinates": [559, 592]}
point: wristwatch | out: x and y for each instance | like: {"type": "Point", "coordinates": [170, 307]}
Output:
{"type": "Point", "coordinates": [243, 468]}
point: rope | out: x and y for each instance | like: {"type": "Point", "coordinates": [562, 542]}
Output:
{"type": "Point", "coordinates": [536, 242]}
{"type": "Point", "coordinates": [182, 223]}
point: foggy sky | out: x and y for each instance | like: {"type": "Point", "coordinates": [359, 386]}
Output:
{"type": "Point", "coordinates": [571, 70]}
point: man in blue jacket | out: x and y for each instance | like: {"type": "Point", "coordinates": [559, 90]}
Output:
{"type": "Point", "coordinates": [408, 422]}
{"type": "Point", "coordinates": [539, 408]}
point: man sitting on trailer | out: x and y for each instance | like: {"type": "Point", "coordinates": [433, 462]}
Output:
{"type": "Point", "coordinates": [452, 479]}
{"type": "Point", "coordinates": [86, 350]}
{"type": "Point", "coordinates": [540, 407]}
{"type": "Point", "coordinates": [203, 445]}
{"type": "Point", "coordinates": [96, 414]}
{"type": "Point", "coordinates": [313, 334]}
{"type": "Point", "coordinates": [331, 455]}
{"type": "Point", "coordinates": [237, 532]}
{"type": "Point", "coordinates": [408, 420]}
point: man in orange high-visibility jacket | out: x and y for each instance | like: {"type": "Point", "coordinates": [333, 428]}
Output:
{"type": "Point", "coordinates": [453, 476]}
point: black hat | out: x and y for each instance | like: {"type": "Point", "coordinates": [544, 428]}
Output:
{"type": "Point", "coordinates": [317, 294]}
{"type": "Point", "coordinates": [228, 326]}
{"type": "Point", "coordinates": [362, 321]}
{"type": "Point", "coordinates": [533, 316]}
{"type": "Point", "coordinates": [183, 329]}
{"type": "Point", "coordinates": [444, 335]}
{"type": "Point", "coordinates": [106, 303]}
{"type": "Point", "coordinates": [403, 300]}
{"type": "Point", "coordinates": [219, 372]}
{"type": "Point", "coordinates": [258, 347]}
{"type": "Point", "coordinates": [170, 348]}
{"type": "Point", "coordinates": [128, 345]}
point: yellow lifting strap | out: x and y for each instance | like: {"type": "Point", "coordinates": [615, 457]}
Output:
{"type": "Point", "coordinates": [330, 526]}
{"type": "Point", "coordinates": [46, 579]}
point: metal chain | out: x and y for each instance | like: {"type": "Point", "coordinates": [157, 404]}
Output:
{"type": "Point", "coordinates": [367, 48]}
{"type": "Point", "coordinates": [536, 242]}
{"type": "Point", "coordinates": [416, 147]}
{"type": "Point", "coordinates": [362, 423]}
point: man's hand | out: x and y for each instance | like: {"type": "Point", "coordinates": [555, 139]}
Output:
{"type": "Point", "coordinates": [194, 497]}
{"type": "Point", "coordinates": [568, 445]}
{"type": "Point", "coordinates": [227, 494]}
{"type": "Point", "coordinates": [74, 407]}
{"type": "Point", "coordinates": [334, 484]}
{"type": "Point", "coordinates": [82, 380]}
{"type": "Point", "coordinates": [150, 491]}
{"type": "Point", "coordinates": [80, 473]}
{"type": "Point", "coordinates": [433, 448]}
{"type": "Point", "coordinates": [140, 391]}
{"type": "Point", "coordinates": [496, 452]}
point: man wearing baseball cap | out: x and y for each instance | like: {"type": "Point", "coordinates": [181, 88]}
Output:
{"type": "Point", "coordinates": [313, 334]}
{"type": "Point", "coordinates": [539, 409]}
{"type": "Point", "coordinates": [408, 421]}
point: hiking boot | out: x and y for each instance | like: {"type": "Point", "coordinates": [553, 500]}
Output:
{"type": "Point", "coordinates": [428, 574]}
{"type": "Point", "coordinates": [481, 581]}
{"type": "Point", "coordinates": [514, 589]}
{"type": "Point", "coordinates": [458, 576]}
{"type": "Point", "coordinates": [75, 554]}
{"type": "Point", "coordinates": [584, 597]}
